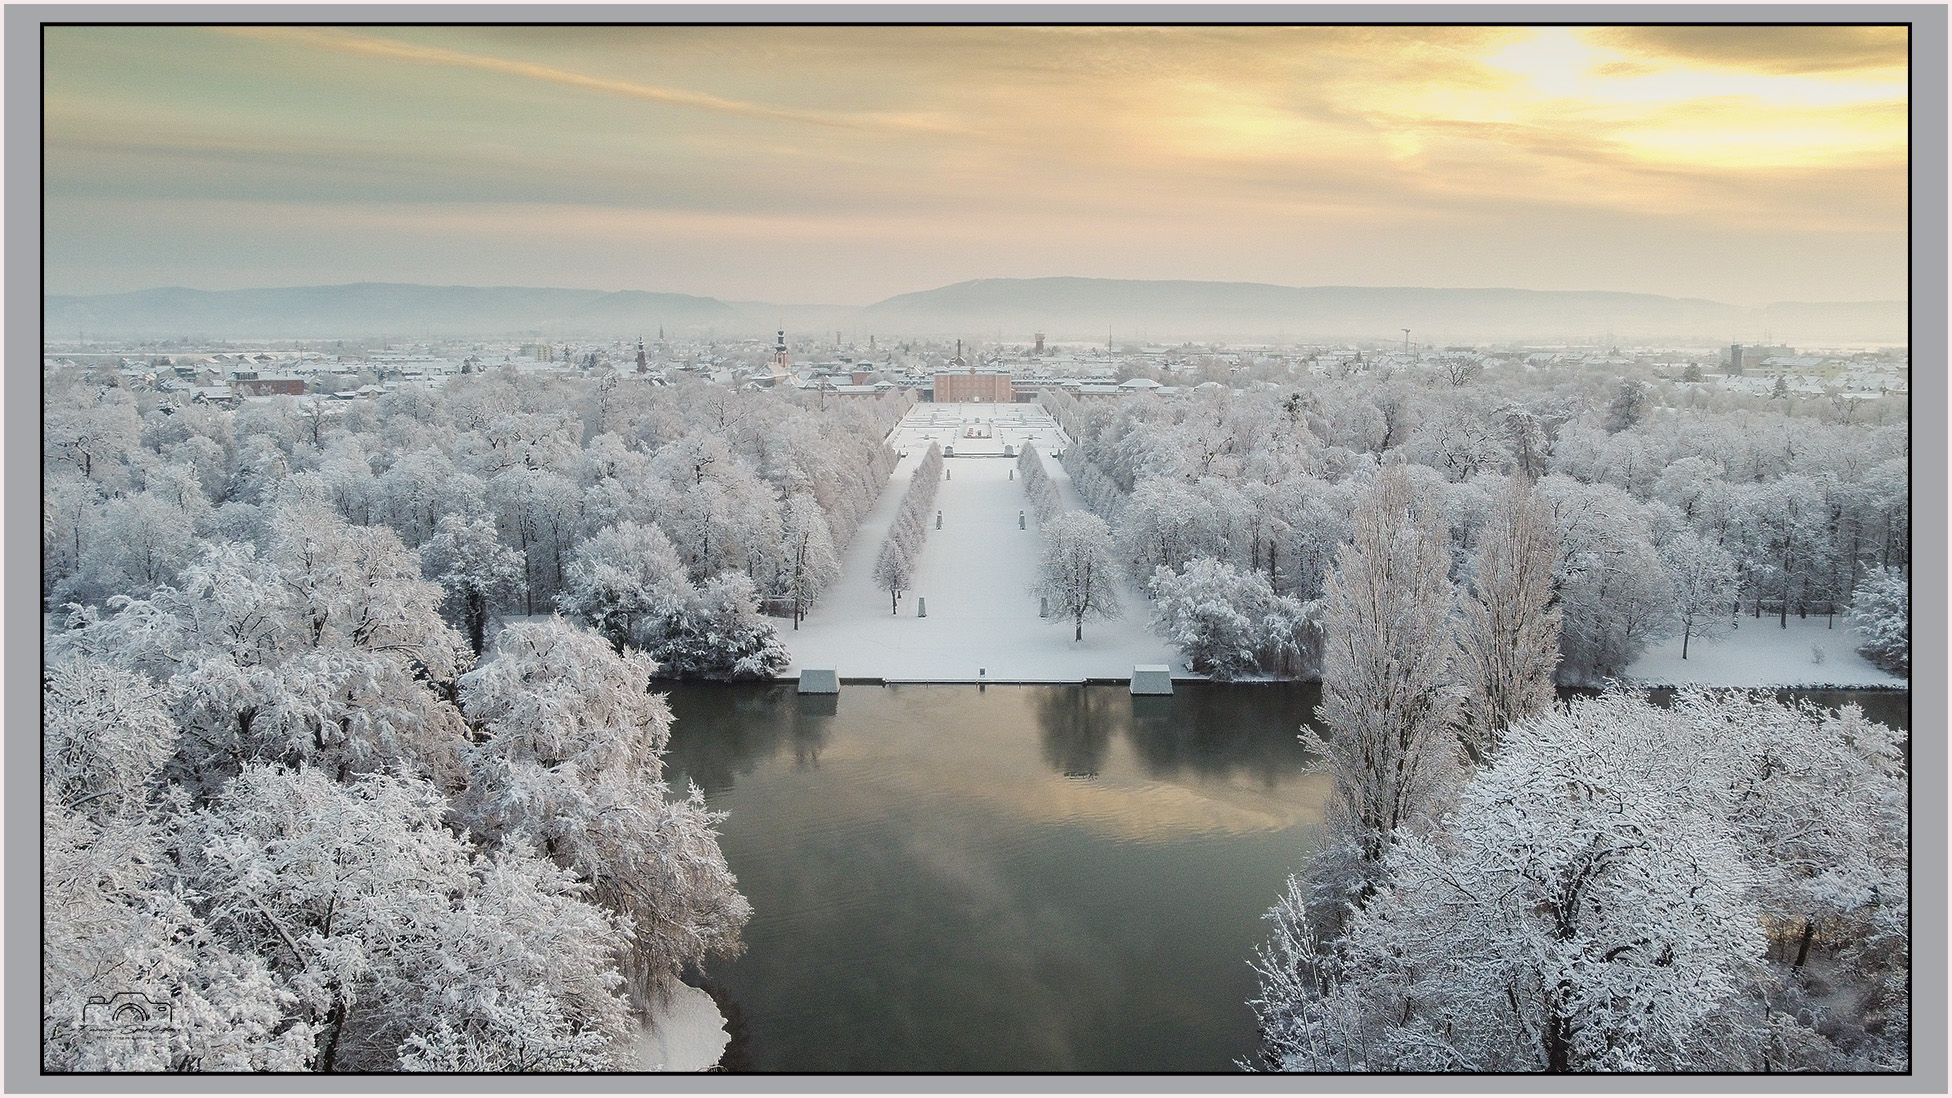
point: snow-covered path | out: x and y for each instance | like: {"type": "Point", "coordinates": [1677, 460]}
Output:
{"type": "Point", "coordinates": [976, 574]}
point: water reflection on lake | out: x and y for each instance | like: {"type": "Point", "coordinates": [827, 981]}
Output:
{"type": "Point", "coordinates": [1038, 878]}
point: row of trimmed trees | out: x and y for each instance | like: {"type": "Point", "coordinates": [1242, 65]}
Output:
{"type": "Point", "coordinates": [1045, 500]}
{"type": "Point", "coordinates": [1506, 884]}
{"type": "Point", "coordinates": [894, 566]}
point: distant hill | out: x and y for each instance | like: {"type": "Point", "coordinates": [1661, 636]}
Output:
{"type": "Point", "coordinates": [378, 309]}
{"type": "Point", "coordinates": [1078, 308]}
{"type": "Point", "coordinates": [1062, 308]}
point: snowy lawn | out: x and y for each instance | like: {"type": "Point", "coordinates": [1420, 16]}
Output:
{"type": "Point", "coordinates": [688, 1034]}
{"type": "Point", "coordinates": [975, 573]}
{"type": "Point", "coordinates": [1763, 653]}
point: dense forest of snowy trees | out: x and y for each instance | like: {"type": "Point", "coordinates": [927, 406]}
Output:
{"type": "Point", "coordinates": [352, 750]}
{"type": "Point", "coordinates": [521, 495]}
{"type": "Point", "coordinates": [1716, 886]}
{"type": "Point", "coordinates": [1502, 884]}
{"type": "Point", "coordinates": [285, 796]}
{"type": "Point", "coordinates": [297, 787]}
{"type": "Point", "coordinates": [1670, 509]}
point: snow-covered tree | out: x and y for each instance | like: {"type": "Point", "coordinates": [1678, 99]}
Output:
{"type": "Point", "coordinates": [1880, 611]}
{"type": "Point", "coordinates": [337, 885]}
{"type": "Point", "coordinates": [1628, 406]}
{"type": "Point", "coordinates": [114, 921]}
{"type": "Point", "coordinates": [535, 509]}
{"type": "Point", "coordinates": [717, 632]}
{"type": "Point", "coordinates": [386, 930]}
{"type": "Point", "coordinates": [329, 649]}
{"type": "Point", "coordinates": [1167, 523]}
{"type": "Point", "coordinates": [1076, 570]}
{"type": "Point", "coordinates": [1586, 909]}
{"type": "Point", "coordinates": [468, 560]}
{"type": "Point", "coordinates": [1508, 636]}
{"type": "Point", "coordinates": [529, 978]}
{"type": "Point", "coordinates": [1387, 693]}
{"type": "Point", "coordinates": [570, 758]}
{"type": "Point", "coordinates": [1227, 623]}
{"type": "Point", "coordinates": [106, 733]}
{"type": "Point", "coordinates": [139, 543]}
{"type": "Point", "coordinates": [1603, 897]}
{"type": "Point", "coordinates": [624, 582]}
{"type": "Point", "coordinates": [421, 488]}
{"type": "Point", "coordinates": [96, 439]}
{"type": "Point", "coordinates": [811, 562]}
{"type": "Point", "coordinates": [1045, 502]}
{"type": "Point", "coordinates": [893, 572]}
{"type": "Point", "coordinates": [1703, 577]}
{"type": "Point", "coordinates": [1614, 594]}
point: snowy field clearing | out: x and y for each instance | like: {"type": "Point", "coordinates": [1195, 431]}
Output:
{"type": "Point", "coordinates": [1763, 653]}
{"type": "Point", "coordinates": [688, 1035]}
{"type": "Point", "coordinates": [975, 573]}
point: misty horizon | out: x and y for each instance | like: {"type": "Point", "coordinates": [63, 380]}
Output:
{"type": "Point", "coordinates": [1063, 308]}
{"type": "Point", "coordinates": [781, 300]}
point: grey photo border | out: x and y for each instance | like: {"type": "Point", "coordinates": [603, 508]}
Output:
{"type": "Point", "coordinates": [21, 451]}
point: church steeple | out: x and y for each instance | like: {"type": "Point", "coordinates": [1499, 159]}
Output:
{"type": "Point", "coordinates": [780, 358]}
{"type": "Point", "coordinates": [643, 361]}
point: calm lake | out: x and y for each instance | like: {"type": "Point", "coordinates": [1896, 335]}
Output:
{"type": "Point", "coordinates": [1019, 878]}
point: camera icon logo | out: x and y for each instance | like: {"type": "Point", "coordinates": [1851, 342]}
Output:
{"type": "Point", "coordinates": [126, 1012]}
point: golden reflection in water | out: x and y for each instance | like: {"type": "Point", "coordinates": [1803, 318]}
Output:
{"type": "Point", "coordinates": [1098, 759]}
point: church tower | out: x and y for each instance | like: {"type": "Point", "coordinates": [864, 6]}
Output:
{"type": "Point", "coordinates": [780, 359]}
{"type": "Point", "coordinates": [643, 361]}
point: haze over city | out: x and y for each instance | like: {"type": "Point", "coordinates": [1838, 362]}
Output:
{"type": "Point", "coordinates": [843, 165]}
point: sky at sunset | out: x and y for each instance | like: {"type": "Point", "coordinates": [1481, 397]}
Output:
{"type": "Point", "coordinates": [842, 165]}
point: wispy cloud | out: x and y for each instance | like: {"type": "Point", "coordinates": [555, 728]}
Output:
{"type": "Point", "coordinates": [785, 162]}
{"type": "Point", "coordinates": [396, 50]}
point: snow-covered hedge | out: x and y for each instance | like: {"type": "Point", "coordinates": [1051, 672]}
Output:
{"type": "Point", "coordinates": [894, 567]}
{"type": "Point", "coordinates": [1045, 501]}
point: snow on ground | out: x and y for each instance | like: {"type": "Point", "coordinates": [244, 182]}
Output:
{"type": "Point", "coordinates": [1763, 653]}
{"type": "Point", "coordinates": [688, 1034]}
{"type": "Point", "coordinates": [1000, 429]}
{"type": "Point", "coordinates": [975, 573]}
